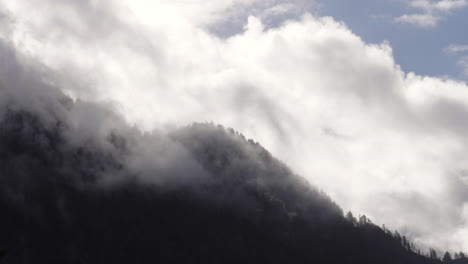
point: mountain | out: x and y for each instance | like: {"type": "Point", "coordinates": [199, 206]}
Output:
{"type": "Point", "coordinates": [200, 194]}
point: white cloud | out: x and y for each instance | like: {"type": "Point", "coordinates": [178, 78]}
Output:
{"type": "Point", "coordinates": [280, 10]}
{"type": "Point", "coordinates": [442, 6]}
{"type": "Point", "coordinates": [422, 20]}
{"type": "Point", "coordinates": [463, 62]}
{"type": "Point", "coordinates": [456, 48]}
{"type": "Point", "coordinates": [433, 12]}
{"type": "Point", "coordinates": [339, 111]}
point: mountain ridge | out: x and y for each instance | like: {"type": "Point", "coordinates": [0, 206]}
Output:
{"type": "Point", "coordinates": [244, 206]}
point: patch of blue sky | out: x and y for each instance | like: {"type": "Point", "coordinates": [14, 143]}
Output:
{"type": "Point", "coordinates": [417, 48]}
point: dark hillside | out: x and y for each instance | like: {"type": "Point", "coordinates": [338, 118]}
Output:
{"type": "Point", "coordinates": [249, 207]}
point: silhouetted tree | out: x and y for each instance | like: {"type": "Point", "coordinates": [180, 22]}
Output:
{"type": "Point", "coordinates": [433, 254]}
{"type": "Point", "coordinates": [350, 217]}
{"type": "Point", "coordinates": [447, 257]}
{"type": "Point", "coordinates": [461, 255]}
{"type": "Point", "coordinates": [364, 221]}
{"type": "Point", "coordinates": [405, 243]}
{"type": "Point", "coordinates": [397, 236]}
{"type": "Point", "coordinates": [386, 230]}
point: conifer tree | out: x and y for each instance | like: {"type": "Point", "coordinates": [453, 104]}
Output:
{"type": "Point", "coordinates": [447, 257]}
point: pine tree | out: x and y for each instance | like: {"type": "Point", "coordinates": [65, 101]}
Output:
{"type": "Point", "coordinates": [447, 257]}
{"type": "Point", "coordinates": [405, 243]}
{"type": "Point", "coordinates": [397, 236]}
{"type": "Point", "coordinates": [433, 254]}
{"type": "Point", "coordinates": [350, 217]}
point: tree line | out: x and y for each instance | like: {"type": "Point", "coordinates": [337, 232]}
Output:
{"type": "Point", "coordinates": [364, 222]}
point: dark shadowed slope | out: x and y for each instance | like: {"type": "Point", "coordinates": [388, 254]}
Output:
{"type": "Point", "coordinates": [95, 201]}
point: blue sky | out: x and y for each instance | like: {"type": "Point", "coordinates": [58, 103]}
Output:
{"type": "Point", "coordinates": [416, 48]}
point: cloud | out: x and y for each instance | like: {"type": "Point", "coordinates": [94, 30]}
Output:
{"type": "Point", "coordinates": [338, 110]}
{"type": "Point", "coordinates": [453, 48]}
{"type": "Point", "coordinates": [27, 90]}
{"type": "Point", "coordinates": [463, 62]}
{"type": "Point", "coordinates": [422, 20]}
{"type": "Point", "coordinates": [438, 6]}
{"type": "Point", "coordinates": [433, 12]}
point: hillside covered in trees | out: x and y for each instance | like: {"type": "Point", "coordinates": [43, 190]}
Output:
{"type": "Point", "coordinates": [201, 194]}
